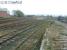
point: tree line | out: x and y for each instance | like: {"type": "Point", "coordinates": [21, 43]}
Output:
{"type": "Point", "coordinates": [18, 13]}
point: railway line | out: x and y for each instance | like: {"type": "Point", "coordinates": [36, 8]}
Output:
{"type": "Point", "coordinates": [18, 32]}
{"type": "Point", "coordinates": [31, 42]}
{"type": "Point", "coordinates": [17, 37]}
{"type": "Point", "coordinates": [14, 22]}
{"type": "Point", "coordinates": [14, 27]}
{"type": "Point", "coordinates": [14, 30]}
{"type": "Point", "coordinates": [12, 33]}
{"type": "Point", "coordinates": [5, 20]}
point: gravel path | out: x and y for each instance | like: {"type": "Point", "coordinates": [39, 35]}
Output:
{"type": "Point", "coordinates": [62, 39]}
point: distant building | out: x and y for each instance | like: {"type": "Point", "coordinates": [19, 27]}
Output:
{"type": "Point", "coordinates": [4, 13]}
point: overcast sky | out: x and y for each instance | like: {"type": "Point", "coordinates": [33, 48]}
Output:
{"type": "Point", "coordinates": [39, 7]}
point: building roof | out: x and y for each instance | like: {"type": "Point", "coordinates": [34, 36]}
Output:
{"type": "Point", "coordinates": [4, 12]}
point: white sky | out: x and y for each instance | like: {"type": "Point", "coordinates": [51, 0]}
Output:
{"type": "Point", "coordinates": [39, 7]}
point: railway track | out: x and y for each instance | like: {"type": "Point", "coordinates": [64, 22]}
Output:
{"type": "Point", "coordinates": [16, 38]}
{"type": "Point", "coordinates": [9, 23]}
{"type": "Point", "coordinates": [13, 25]}
{"type": "Point", "coordinates": [14, 30]}
{"type": "Point", "coordinates": [19, 32]}
{"type": "Point", "coordinates": [12, 33]}
{"type": "Point", "coordinates": [5, 20]}
{"type": "Point", "coordinates": [32, 41]}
